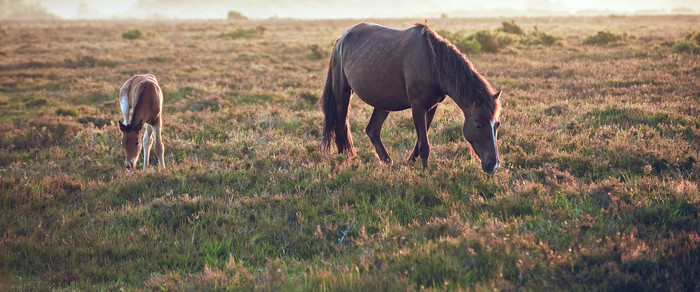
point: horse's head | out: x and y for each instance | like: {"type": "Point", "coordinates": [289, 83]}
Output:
{"type": "Point", "coordinates": [480, 127]}
{"type": "Point", "coordinates": [130, 142]}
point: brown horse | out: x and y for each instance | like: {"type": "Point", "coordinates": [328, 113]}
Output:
{"type": "Point", "coordinates": [142, 94]}
{"type": "Point", "coordinates": [394, 70]}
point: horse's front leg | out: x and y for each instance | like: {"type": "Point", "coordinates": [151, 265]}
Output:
{"type": "Point", "coordinates": [428, 120]}
{"type": "Point", "coordinates": [420, 121]}
{"type": "Point", "coordinates": [374, 132]}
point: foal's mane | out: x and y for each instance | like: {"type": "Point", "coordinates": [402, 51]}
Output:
{"type": "Point", "coordinates": [455, 74]}
{"type": "Point", "coordinates": [138, 102]}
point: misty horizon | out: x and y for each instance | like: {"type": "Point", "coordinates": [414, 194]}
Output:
{"type": "Point", "coordinates": [315, 9]}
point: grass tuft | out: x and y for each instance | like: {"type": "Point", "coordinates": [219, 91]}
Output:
{"type": "Point", "coordinates": [245, 33]}
{"type": "Point", "coordinates": [511, 27]}
{"type": "Point", "coordinates": [690, 44]}
{"type": "Point", "coordinates": [604, 38]}
{"type": "Point", "coordinates": [500, 40]}
{"type": "Point", "coordinates": [132, 34]}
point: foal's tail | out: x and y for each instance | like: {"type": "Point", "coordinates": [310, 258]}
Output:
{"type": "Point", "coordinates": [328, 105]}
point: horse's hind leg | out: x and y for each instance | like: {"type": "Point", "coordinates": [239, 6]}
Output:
{"type": "Point", "coordinates": [428, 120]}
{"type": "Point", "coordinates": [147, 142]}
{"type": "Point", "coordinates": [160, 150]}
{"type": "Point", "coordinates": [343, 138]}
{"type": "Point", "coordinates": [374, 131]}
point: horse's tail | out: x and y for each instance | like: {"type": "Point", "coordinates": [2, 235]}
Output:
{"type": "Point", "coordinates": [328, 105]}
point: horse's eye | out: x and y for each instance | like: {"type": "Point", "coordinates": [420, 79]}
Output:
{"type": "Point", "coordinates": [479, 126]}
{"type": "Point", "coordinates": [137, 143]}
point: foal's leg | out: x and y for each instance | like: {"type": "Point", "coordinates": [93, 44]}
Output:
{"type": "Point", "coordinates": [420, 121]}
{"type": "Point", "coordinates": [160, 150]}
{"type": "Point", "coordinates": [147, 139]}
{"type": "Point", "coordinates": [428, 120]}
{"type": "Point", "coordinates": [374, 131]}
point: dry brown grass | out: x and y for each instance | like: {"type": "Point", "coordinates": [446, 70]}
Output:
{"type": "Point", "coordinates": [598, 190]}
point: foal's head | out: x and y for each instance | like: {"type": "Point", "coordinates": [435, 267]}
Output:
{"type": "Point", "coordinates": [130, 142]}
{"type": "Point", "coordinates": [480, 127]}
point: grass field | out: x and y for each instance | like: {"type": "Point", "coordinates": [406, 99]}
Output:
{"type": "Point", "coordinates": [598, 188]}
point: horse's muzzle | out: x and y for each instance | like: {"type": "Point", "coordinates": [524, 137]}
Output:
{"type": "Point", "coordinates": [490, 167]}
{"type": "Point", "coordinates": [129, 165]}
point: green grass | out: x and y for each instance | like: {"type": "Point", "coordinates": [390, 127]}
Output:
{"type": "Point", "coordinates": [598, 188]}
{"type": "Point", "coordinates": [131, 34]}
{"type": "Point", "coordinates": [604, 38]}
{"type": "Point", "coordinates": [506, 39]}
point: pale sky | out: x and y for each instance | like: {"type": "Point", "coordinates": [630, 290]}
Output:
{"type": "Point", "coordinates": [342, 8]}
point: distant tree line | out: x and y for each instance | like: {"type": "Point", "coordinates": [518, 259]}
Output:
{"type": "Point", "coordinates": [18, 9]}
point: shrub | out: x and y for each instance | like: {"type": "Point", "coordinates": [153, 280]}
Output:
{"type": "Point", "coordinates": [244, 32]}
{"type": "Point", "coordinates": [603, 38]}
{"type": "Point", "coordinates": [689, 44]}
{"type": "Point", "coordinates": [468, 46]}
{"type": "Point", "coordinates": [487, 40]}
{"type": "Point", "coordinates": [512, 28]}
{"type": "Point", "coordinates": [483, 40]}
{"type": "Point", "coordinates": [685, 47]}
{"type": "Point", "coordinates": [316, 52]}
{"type": "Point", "coordinates": [463, 44]}
{"type": "Point", "coordinates": [541, 38]}
{"type": "Point", "coordinates": [500, 40]}
{"type": "Point", "coordinates": [694, 37]}
{"type": "Point", "coordinates": [131, 34]}
{"type": "Point", "coordinates": [235, 15]}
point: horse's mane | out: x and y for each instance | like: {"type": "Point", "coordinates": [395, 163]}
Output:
{"type": "Point", "coordinates": [456, 75]}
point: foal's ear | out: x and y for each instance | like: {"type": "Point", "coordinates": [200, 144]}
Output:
{"type": "Point", "coordinates": [497, 95]}
{"type": "Point", "coordinates": [122, 127]}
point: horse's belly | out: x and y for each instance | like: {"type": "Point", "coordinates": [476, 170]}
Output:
{"type": "Point", "coordinates": [384, 93]}
{"type": "Point", "coordinates": [390, 101]}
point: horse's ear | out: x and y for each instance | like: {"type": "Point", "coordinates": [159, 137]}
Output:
{"type": "Point", "coordinates": [122, 127]}
{"type": "Point", "coordinates": [497, 95]}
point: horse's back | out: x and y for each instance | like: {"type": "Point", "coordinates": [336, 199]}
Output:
{"type": "Point", "coordinates": [378, 62]}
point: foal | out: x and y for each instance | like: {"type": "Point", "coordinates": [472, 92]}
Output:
{"type": "Point", "coordinates": [142, 94]}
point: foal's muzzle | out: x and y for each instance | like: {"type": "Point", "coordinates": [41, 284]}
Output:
{"type": "Point", "coordinates": [129, 165]}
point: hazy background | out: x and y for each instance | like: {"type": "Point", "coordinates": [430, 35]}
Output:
{"type": "Point", "coordinates": [183, 9]}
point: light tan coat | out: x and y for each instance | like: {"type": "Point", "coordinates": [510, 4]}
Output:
{"type": "Point", "coordinates": [141, 101]}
